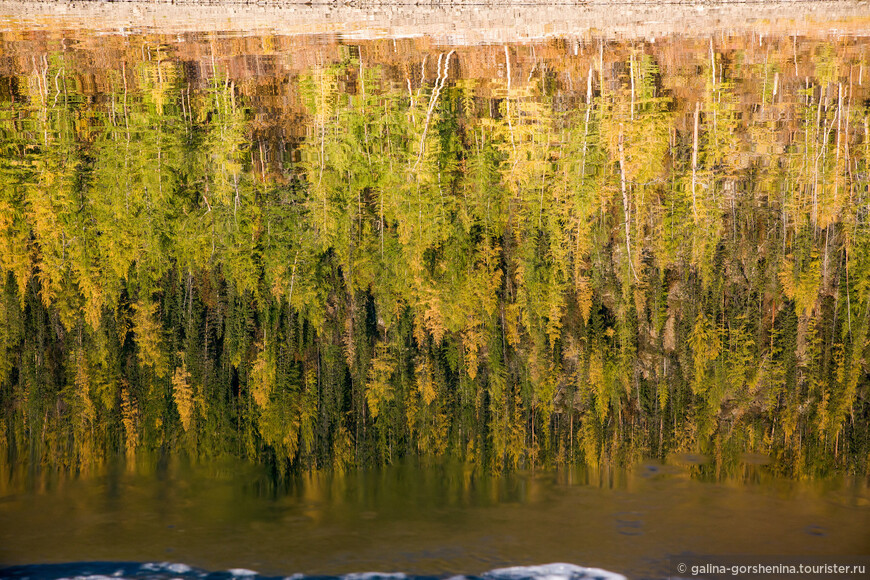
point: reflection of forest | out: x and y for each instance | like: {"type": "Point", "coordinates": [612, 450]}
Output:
{"type": "Point", "coordinates": [314, 254]}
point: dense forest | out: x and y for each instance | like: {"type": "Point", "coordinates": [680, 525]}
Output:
{"type": "Point", "coordinates": [328, 256]}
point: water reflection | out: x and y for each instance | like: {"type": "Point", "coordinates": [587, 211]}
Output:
{"type": "Point", "coordinates": [316, 254]}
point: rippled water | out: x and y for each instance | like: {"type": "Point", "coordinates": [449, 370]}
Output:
{"type": "Point", "coordinates": [429, 520]}
{"type": "Point", "coordinates": [167, 570]}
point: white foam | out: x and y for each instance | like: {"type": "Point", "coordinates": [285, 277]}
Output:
{"type": "Point", "coordinates": [173, 567]}
{"type": "Point", "coordinates": [178, 571]}
{"type": "Point", "coordinates": [374, 576]}
{"type": "Point", "coordinates": [556, 571]}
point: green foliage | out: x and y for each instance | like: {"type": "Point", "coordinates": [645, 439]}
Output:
{"type": "Point", "coordinates": [501, 270]}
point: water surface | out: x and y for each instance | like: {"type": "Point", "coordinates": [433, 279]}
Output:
{"type": "Point", "coordinates": [433, 520]}
{"type": "Point", "coordinates": [425, 304]}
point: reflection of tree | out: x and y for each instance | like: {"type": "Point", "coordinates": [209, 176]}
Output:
{"type": "Point", "coordinates": [506, 270]}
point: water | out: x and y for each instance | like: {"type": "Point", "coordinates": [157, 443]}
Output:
{"type": "Point", "coordinates": [327, 290]}
{"type": "Point", "coordinates": [315, 250]}
{"type": "Point", "coordinates": [433, 521]}
{"type": "Point", "coordinates": [161, 570]}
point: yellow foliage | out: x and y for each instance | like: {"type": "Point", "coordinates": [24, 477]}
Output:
{"type": "Point", "coordinates": [14, 248]}
{"type": "Point", "coordinates": [412, 412]}
{"type": "Point", "coordinates": [83, 387]}
{"type": "Point", "coordinates": [279, 425]}
{"type": "Point", "coordinates": [262, 375]}
{"type": "Point", "coordinates": [130, 418]}
{"type": "Point", "coordinates": [308, 408]}
{"type": "Point", "coordinates": [511, 324]}
{"type": "Point", "coordinates": [588, 436]}
{"type": "Point", "coordinates": [555, 311]}
{"type": "Point", "coordinates": [584, 296]}
{"type": "Point", "coordinates": [438, 439]}
{"type": "Point", "coordinates": [705, 343]}
{"type": "Point", "coordinates": [348, 340]}
{"type": "Point", "coordinates": [823, 417]}
{"type": "Point", "coordinates": [148, 331]}
{"type": "Point", "coordinates": [342, 450]}
{"type": "Point", "coordinates": [425, 381]}
{"type": "Point", "coordinates": [598, 384]}
{"type": "Point", "coordinates": [662, 393]}
{"type": "Point", "coordinates": [434, 317]}
{"type": "Point", "coordinates": [379, 391]}
{"type": "Point", "coordinates": [182, 394]}
{"type": "Point", "coordinates": [515, 445]}
{"type": "Point", "coordinates": [472, 339]}
{"type": "Point", "coordinates": [802, 286]}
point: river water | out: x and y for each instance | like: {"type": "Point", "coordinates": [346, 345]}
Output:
{"type": "Point", "coordinates": [431, 520]}
{"type": "Point", "coordinates": [327, 290]}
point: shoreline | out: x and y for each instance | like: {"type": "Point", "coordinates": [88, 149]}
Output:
{"type": "Point", "coordinates": [456, 23]}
